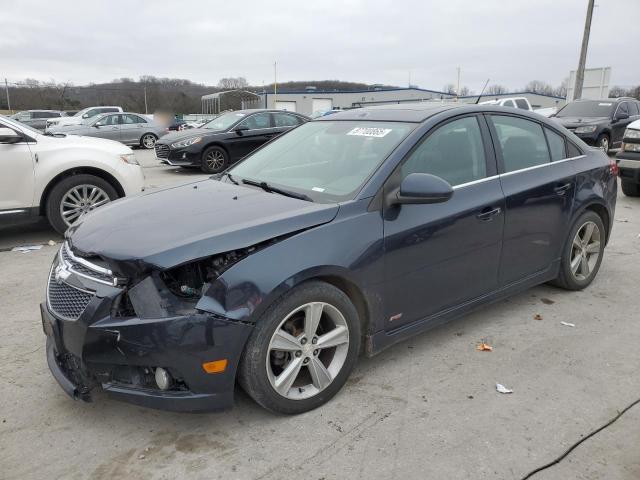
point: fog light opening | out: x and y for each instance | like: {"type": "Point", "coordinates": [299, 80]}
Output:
{"type": "Point", "coordinates": [163, 379]}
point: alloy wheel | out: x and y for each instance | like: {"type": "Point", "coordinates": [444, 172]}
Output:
{"type": "Point", "coordinates": [80, 200]}
{"type": "Point", "coordinates": [307, 350]}
{"type": "Point", "coordinates": [149, 141]}
{"type": "Point", "coordinates": [215, 160]}
{"type": "Point", "coordinates": [585, 251]}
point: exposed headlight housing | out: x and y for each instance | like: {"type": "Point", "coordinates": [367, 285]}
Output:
{"type": "Point", "coordinates": [186, 142]}
{"type": "Point", "coordinates": [129, 158]}
{"type": "Point", "coordinates": [631, 147]}
{"type": "Point", "coordinates": [586, 129]}
{"type": "Point", "coordinates": [630, 133]}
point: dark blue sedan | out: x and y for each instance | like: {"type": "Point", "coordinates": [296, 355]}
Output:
{"type": "Point", "coordinates": [349, 233]}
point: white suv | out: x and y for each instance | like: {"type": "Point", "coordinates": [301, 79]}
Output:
{"type": "Point", "coordinates": [61, 177]}
{"type": "Point", "coordinates": [79, 117]}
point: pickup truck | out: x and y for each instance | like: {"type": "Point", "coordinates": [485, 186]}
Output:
{"type": "Point", "coordinates": [629, 160]}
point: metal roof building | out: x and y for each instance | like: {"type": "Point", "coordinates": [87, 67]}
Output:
{"type": "Point", "coordinates": [311, 100]}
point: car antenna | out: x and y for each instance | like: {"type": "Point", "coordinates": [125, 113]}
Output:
{"type": "Point", "coordinates": [482, 91]}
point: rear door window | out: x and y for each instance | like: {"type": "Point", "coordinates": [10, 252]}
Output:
{"type": "Point", "coordinates": [522, 103]}
{"type": "Point", "coordinates": [633, 108]}
{"type": "Point", "coordinates": [509, 103]}
{"type": "Point", "coordinates": [285, 120]}
{"type": "Point", "coordinates": [521, 141]}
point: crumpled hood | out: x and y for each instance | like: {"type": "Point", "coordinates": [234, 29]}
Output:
{"type": "Point", "coordinates": [579, 121]}
{"type": "Point", "coordinates": [170, 227]}
{"type": "Point", "coordinates": [173, 137]}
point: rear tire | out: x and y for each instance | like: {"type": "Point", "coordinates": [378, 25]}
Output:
{"type": "Point", "coordinates": [583, 252]}
{"type": "Point", "coordinates": [80, 194]}
{"type": "Point", "coordinates": [279, 344]}
{"type": "Point", "coordinates": [630, 189]}
{"type": "Point", "coordinates": [148, 141]}
{"type": "Point", "coordinates": [214, 160]}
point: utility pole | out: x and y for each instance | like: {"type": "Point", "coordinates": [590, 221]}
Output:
{"type": "Point", "coordinates": [6, 89]}
{"type": "Point", "coordinates": [458, 87]}
{"type": "Point", "coordinates": [577, 91]}
{"type": "Point", "coordinates": [146, 111]}
{"type": "Point", "coordinates": [275, 83]}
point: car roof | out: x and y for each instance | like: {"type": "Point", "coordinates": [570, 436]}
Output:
{"type": "Point", "coordinates": [419, 112]}
{"type": "Point", "coordinates": [249, 111]}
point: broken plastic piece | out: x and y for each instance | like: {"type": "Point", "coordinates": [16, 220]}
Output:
{"type": "Point", "coordinates": [26, 248]}
{"type": "Point", "coordinates": [502, 389]}
{"type": "Point", "coordinates": [483, 347]}
{"type": "Point", "coordinates": [567, 324]}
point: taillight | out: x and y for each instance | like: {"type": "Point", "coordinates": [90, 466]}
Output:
{"type": "Point", "coordinates": [613, 168]}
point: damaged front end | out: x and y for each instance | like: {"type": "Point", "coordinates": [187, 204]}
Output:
{"type": "Point", "coordinates": [145, 335]}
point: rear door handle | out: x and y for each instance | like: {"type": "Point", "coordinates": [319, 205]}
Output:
{"type": "Point", "coordinates": [562, 189]}
{"type": "Point", "coordinates": [488, 213]}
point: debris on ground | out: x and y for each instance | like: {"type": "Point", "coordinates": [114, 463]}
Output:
{"type": "Point", "coordinates": [51, 243]}
{"type": "Point", "coordinates": [484, 347]}
{"type": "Point", "coordinates": [547, 301]}
{"type": "Point", "coordinates": [622, 220]}
{"type": "Point", "coordinates": [26, 248]}
{"type": "Point", "coordinates": [567, 324]}
{"type": "Point", "coordinates": [502, 389]}
{"type": "Point", "coordinates": [537, 316]}
{"type": "Point", "coordinates": [141, 457]}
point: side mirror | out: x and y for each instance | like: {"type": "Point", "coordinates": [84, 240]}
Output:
{"type": "Point", "coordinates": [620, 116]}
{"type": "Point", "coordinates": [241, 129]}
{"type": "Point", "coordinates": [8, 135]}
{"type": "Point", "coordinates": [420, 188]}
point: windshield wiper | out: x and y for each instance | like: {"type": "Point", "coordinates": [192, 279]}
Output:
{"type": "Point", "coordinates": [269, 188]}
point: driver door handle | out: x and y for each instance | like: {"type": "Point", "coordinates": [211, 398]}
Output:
{"type": "Point", "coordinates": [488, 213]}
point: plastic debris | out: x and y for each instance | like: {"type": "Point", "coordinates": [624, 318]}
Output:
{"type": "Point", "coordinates": [567, 324]}
{"type": "Point", "coordinates": [502, 389]}
{"type": "Point", "coordinates": [26, 248]}
{"type": "Point", "coordinates": [483, 347]}
{"type": "Point", "coordinates": [537, 316]}
{"type": "Point", "coordinates": [51, 243]}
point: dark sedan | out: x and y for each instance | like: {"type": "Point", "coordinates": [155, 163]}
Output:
{"type": "Point", "coordinates": [225, 139]}
{"type": "Point", "coordinates": [356, 230]}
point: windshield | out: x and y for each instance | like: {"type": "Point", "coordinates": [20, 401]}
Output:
{"type": "Point", "coordinates": [586, 109]}
{"type": "Point", "coordinates": [328, 161]}
{"type": "Point", "coordinates": [224, 121]}
{"type": "Point", "coordinates": [20, 126]}
{"type": "Point", "coordinates": [81, 112]}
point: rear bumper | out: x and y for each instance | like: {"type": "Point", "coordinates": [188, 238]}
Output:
{"type": "Point", "coordinates": [119, 357]}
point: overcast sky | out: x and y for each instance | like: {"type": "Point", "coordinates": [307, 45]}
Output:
{"type": "Point", "coordinates": [373, 41]}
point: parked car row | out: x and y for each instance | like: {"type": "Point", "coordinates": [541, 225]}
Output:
{"type": "Point", "coordinates": [629, 160]}
{"type": "Point", "coordinates": [353, 230]}
{"type": "Point", "coordinates": [125, 127]}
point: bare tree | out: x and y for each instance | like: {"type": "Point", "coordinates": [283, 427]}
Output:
{"type": "Point", "coordinates": [449, 88]}
{"type": "Point", "coordinates": [538, 86]}
{"type": "Point", "coordinates": [233, 83]}
{"type": "Point", "coordinates": [617, 91]}
{"type": "Point", "coordinates": [496, 89]}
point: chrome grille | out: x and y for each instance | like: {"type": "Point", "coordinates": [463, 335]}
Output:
{"type": "Point", "coordinates": [84, 268]}
{"type": "Point", "coordinates": [162, 151]}
{"type": "Point", "coordinates": [64, 300]}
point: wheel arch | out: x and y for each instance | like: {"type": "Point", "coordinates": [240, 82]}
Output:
{"type": "Point", "coordinates": [76, 171]}
{"type": "Point", "coordinates": [599, 209]}
{"type": "Point", "coordinates": [215, 143]}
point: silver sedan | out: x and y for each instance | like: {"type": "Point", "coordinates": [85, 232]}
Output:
{"type": "Point", "coordinates": [129, 128]}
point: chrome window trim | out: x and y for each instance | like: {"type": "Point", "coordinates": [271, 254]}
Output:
{"type": "Point", "coordinates": [19, 210]}
{"type": "Point", "coordinates": [500, 175]}
{"type": "Point", "coordinates": [87, 264]}
{"type": "Point", "coordinates": [540, 166]}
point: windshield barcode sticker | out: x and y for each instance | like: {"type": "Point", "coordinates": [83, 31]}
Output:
{"type": "Point", "coordinates": [369, 132]}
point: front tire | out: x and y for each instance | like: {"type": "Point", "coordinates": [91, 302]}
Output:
{"type": "Point", "coordinates": [630, 189]}
{"type": "Point", "coordinates": [148, 141]}
{"type": "Point", "coordinates": [75, 196]}
{"type": "Point", "coordinates": [214, 160]}
{"type": "Point", "coordinates": [302, 349]}
{"type": "Point", "coordinates": [583, 253]}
